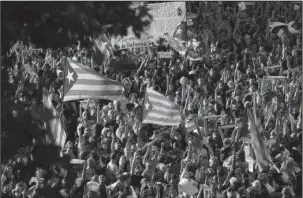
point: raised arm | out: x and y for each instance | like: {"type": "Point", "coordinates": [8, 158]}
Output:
{"type": "Point", "coordinates": [132, 168]}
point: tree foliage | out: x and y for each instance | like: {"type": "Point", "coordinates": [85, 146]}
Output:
{"type": "Point", "coordinates": [57, 25]}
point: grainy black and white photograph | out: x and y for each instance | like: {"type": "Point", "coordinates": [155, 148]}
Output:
{"type": "Point", "coordinates": [151, 99]}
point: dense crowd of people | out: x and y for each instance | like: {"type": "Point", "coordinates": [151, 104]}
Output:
{"type": "Point", "coordinates": [116, 156]}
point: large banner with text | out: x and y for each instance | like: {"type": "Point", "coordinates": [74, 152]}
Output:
{"type": "Point", "coordinates": [166, 17]}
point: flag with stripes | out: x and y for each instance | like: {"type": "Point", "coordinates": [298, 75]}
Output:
{"type": "Point", "coordinates": [159, 110]}
{"type": "Point", "coordinates": [180, 32]}
{"type": "Point", "coordinates": [83, 83]}
{"type": "Point", "coordinates": [261, 151]}
{"type": "Point", "coordinates": [52, 121]}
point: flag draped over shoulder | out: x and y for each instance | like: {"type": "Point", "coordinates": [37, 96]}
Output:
{"type": "Point", "coordinates": [159, 110]}
{"type": "Point", "coordinates": [53, 122]}
{"type": "Point", "coordinates": [180, 32]}
{"type": "Point", "coordinates": [82, 83]}
{"type": "Point", "coordinates": [261, 151]}
{"type": "Point", "coordinates": [176, 41]}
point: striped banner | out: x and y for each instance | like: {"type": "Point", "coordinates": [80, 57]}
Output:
{"type": "Point", "coordinates": [82, 83]}
{"type": "Point", "coordinates": [159, 110]}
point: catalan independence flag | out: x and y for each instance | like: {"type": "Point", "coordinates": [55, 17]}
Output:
{"type": "Point", "coordinates": [83, 83]}
{"type": "Point", "coordinates": [176, 41]}
{"type": "Point", "coordinates": [159, 110]}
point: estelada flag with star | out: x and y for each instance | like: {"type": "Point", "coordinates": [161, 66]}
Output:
{"type": "Point", "coordinates": [82, 83]}
{"type": "Point", "coordinates": [180, 32]}
{"type": "Point", "coordinates": [178, 38]}
{"type": "Point", "coordinates": [159, 110]}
